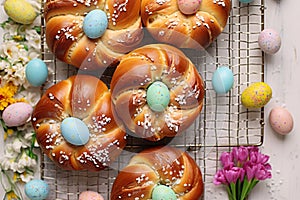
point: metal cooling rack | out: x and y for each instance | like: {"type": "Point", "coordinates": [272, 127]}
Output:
{"type": "Point", "coordinates": [222, 124]}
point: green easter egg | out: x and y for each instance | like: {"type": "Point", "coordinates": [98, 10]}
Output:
{"type": "Point", "coordinates": [158, 96]}
{"type": "Point", "coordinates": [20, 11]}
{"type": "Point", "coordinates": [162, 192]}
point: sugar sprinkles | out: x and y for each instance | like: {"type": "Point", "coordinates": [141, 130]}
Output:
{"type": "Point", "coordinates": [219, 2]}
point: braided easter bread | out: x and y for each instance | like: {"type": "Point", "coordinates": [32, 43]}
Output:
{"type": "Point", "coordinates": [88, 100]}
{"type": "Point", "coordinates": [67, 40]}
{"type": "Point", "coordinates": [170, 21]}
{"type": "Point", "coordinates": [138, 106]}
{"type": "Point", "coordinates": [156, 167]}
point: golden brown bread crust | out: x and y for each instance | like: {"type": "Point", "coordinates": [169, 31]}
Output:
{"type": "Point", "coordinates": [159, 165]}
{"type": "Point", "coordinates": [141, 67]}
{"type": "Point", "coordinates": [167, 24]}
{"type": "Point", "coordinates": [66, 39]}
{"type": "Point", "coordinates": [87, 98]}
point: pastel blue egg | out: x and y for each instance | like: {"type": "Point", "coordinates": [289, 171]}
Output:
{"type": "Point", "coordinates": [75, 131]}
{"type": "Point", "coordinates": [162, 192]}
{"type": "Point", "coordinates": [37, 189]}
{"type": "Point", "coordinates": [158, 96]}
{"type": "Point", "coordinates": [246, 1]}
{"type": "Point", "coordinates": [222, 80]}
{"type": "Point", "coordinates": [95, 24]}
{"type": "Point", "coordinates": [36, 72]}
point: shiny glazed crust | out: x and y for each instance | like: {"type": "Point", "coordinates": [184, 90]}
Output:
{"type": "Point", "coordinates": [167, 24]}
{"type": "Point", "coordinates": [87, 98]}
{"type": "Point", "coordinates": [159, 165]}
{"type": "Point", "coordinates": [141, 67]}
{"type": "Point", "coordinates": [66, 39]}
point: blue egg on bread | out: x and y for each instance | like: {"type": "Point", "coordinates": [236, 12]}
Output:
{"type": "Point", "coordinates": [95, 24]}
{"type": "Point", "coordinates": [75, 131]}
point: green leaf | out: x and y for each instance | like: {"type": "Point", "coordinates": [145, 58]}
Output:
{"type": "Point", "coordinates": [38, 29]}
{"type": "Point", "coordinates": [230, 196]}
{"type": "Point", "coordinates": [233, 190]}
{"type": "Point", "coordinates": [239, 189]}
{"type": "Point", "coordinates": [247, 187]}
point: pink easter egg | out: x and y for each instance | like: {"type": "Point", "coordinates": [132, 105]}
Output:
{"type": "Point", "coordinates": [17, 114]}
{"type": "Point", "coordinates": [188, 7]}
{"type": "Point", "coordinates": [281, 120]}
{"type": "Point", "coordinates": [90, 195]}
{"type": "Point", "coordinates": [269, 41]}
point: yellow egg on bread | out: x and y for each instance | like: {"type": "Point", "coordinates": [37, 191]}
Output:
{"type": "Point", "coordinates": [20, 11]}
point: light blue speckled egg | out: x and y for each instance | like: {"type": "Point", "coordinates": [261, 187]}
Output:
{"type": "Point", "coordinates": [75, 131]}
{"type": "Point", "coordinates": [162, 192]}
{"type": "Point", "coordinates": [37, 189]}
{"type": "Point", "coordinates": [222, 80]}
{"type": "Point", "coordinates": [158, 96]}
{"type": "Point", "coordinates": [95, 24]}
{"type": "Point", "coordinates": [36, 72]}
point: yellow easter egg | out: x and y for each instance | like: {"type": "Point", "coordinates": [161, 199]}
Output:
{"type": "Point", "coordinates": [20, 11]}
{"type": "Point", "coordinates": [257, 95]}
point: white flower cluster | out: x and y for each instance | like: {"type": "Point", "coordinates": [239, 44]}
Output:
{"type": "Point", "coordinates": [16, 157]}
{"type": "Point", "coordinates": [18, 48]}
{"type": "Point", "coordinates": [19, 45]}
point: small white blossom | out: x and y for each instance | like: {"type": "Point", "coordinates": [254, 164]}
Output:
{"type": "Point", "coordinates": [17, 145]}
{"type": "Point", "coordinates": [26, 177]}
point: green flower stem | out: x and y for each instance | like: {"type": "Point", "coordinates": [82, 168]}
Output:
{"type": "Point", "coordinates": [247, 187]}
{"type": "Point", "coordinates": [12, 185]}
{"type": "Point", "coordinates": [233, 190]}
{"type": "Point", "coordinates": [239, 189]}
{"type": "Point", "coordinates": [229, 192]}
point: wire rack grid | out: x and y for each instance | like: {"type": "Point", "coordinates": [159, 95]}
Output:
{"type": "Point", "coordinates": [222, 124]}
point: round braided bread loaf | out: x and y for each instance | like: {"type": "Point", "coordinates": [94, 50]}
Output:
{"type": "Point", "coordinates": [168, 24]}
{"type": "Point", "coordinates": [140, 69]}
{"type": "Point", "coordinates": [88, 99]}
{"type": "Point", "coordinates": [66, 39]}
{"type": "Point", "coordinates": [159, 166]}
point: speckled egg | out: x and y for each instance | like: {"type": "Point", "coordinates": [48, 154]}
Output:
{"type": "Point", "coordinates": [75, 131]}
{"type": "Point", "coordinates": [269, 41]}
{"type": "Point", "coordinates": [256, 95]}
{"type": "Point", "coordinates": [20, 11]}
{"type": "Point", "coordinates": [90, 195]}
{"type": "Point", "coordinates": [246, 1]}
{"type": "Point", "coordinates": [36, 72]}
{"type": "Point", "coordinates": [17, 114]}
{"type": "Point", "coordinates": [37, 189]}
{"type": "Point", "coordinates": [281, 120]}
{"type": "Point", "coordinates": [188, 7]}
{"type": "Point", "coordinates": [162, 192]}
{"type": "Point", "coordinates": [222, 80]}
{"type": "Point", "coordinates": [158, 96]}
{"type": "Point", "coordinates": [95, 24]}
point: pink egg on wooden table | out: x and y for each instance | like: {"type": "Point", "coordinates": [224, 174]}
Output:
{"type": "Point", "coordinates": [281, 120]}
{"type": "Point", "coordinates": [17, 114]}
